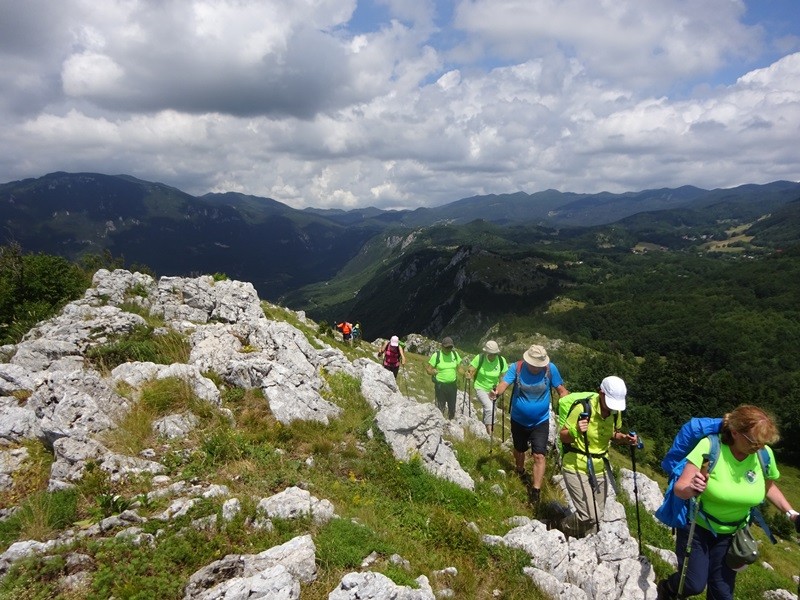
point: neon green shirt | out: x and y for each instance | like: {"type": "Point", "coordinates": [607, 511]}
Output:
{"type": "Point", "coordinates": [599, 434]}
{"type": "Point", "coordinates": [734, 486]}
{"type": "Point", "coordinates": [490, 372]}
{"type": "Point", "coordinates": [447, 367]}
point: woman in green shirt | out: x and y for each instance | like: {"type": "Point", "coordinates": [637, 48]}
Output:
{"type": "Point", "coordinates": [726, 495]}
{"type": "Point", "coordinates": [487, 369]}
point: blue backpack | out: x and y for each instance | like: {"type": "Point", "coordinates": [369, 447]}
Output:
{"type": "Point", "coordinates": [674, 511]}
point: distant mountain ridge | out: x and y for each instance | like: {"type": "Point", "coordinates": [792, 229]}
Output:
{"type": "Point", "coordinates": [281, 249]}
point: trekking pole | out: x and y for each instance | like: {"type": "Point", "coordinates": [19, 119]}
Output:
{"type": "Point", "coordinates": [503, 416]}
{"type": "Point", "coordinates": [491, 432]}
{"type": "Point", "coordinates": [688, 552]}
{"type": "Point", "coordinates": [639, 445]}
{"type": "Point", "coordinates": [590, 468]}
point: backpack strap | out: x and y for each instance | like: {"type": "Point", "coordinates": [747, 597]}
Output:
{"type": "Point", "coordinates": [755, 512]}
{"type": "Point", "coordinates": [587, 409]}
{"type": "Point", "coordinates": [516, 385]}
{"type": "Point", "coordinates": [713, 452]}
{"type": "Point", "coordinates": [502, 361]}
{"type": "Point", "coordinates": [439, 357]}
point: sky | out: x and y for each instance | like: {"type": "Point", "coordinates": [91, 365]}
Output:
{"type": "Point", "coordinates": [398, 103]}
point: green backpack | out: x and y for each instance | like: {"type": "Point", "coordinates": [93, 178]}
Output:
{"type": "Point", "coordinates": [565, 407]}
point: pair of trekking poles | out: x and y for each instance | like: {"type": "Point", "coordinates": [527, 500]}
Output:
{"type": "Point", "coordinates": [468, 400]}
{"type": "Point", "coordinates": [594, 484]}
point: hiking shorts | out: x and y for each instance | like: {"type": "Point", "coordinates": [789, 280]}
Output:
{"type": "Point", "coordinates": [534, 437]}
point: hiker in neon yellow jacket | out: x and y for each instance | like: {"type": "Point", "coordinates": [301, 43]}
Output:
{"type": "Point", "coordinates": [443, 366]}
{"type": "Point", "coordinates": [593, 417]}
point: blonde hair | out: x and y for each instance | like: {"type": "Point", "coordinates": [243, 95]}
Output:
{"type": "Point", "coordinates": [752, 421]}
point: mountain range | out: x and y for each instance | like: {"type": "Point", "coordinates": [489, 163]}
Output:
{"type": "Point", "coordinates": [403, 270]}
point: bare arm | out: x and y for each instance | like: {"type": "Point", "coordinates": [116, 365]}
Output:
{"type": "Point", "coordinates": [775, 495]}
{"type": "Point", "coordinates": [565, 436]}
{"type": "Point", "coordinates": [562, 391]}
{"type": "Point", "coordinates": [499, 389]}
{"type": "Point", "coordinates": [691, 483]}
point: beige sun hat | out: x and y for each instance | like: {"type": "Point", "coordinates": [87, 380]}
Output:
{"type": "Point", "coordinates": [536, 356]}
{"type": "Point", "coordinates": [491, 347]}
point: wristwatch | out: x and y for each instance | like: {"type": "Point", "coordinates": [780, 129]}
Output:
{"type": "Point", "coordinates": [791, 513]}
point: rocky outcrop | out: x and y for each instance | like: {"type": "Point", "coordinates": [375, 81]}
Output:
{"type": "Point", "coordinates": [228, 335]}
{"type": "Point", "coordinates": [49, 392]}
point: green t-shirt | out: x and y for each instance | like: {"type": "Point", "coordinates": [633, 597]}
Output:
{"type": "Point", "coordinates": [447, 366]}
{"type": "Point", "coordinates": [734, 486]}
{"type": "Point", "coordinates": [599, 434]}
{"type": "Point", "coordinates": [490, 372]}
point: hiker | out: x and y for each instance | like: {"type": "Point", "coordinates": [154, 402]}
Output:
{"type": "Point", "coordinates": [443, 367]}
{"type": "Point", "coordinates": [393, 355]}
{"type": "Point", "coordinates": [589, 419]}
{"type": "Point", "coordinates": [347, 331]}
{"type": "Point", "coordinates": [726, 494]}
{"type": "Point", "coordinates": [533, 378]}
{"type": "Point", "coordinates": [487, 369]}
{"type": "Point", "coordinates": [357, 331]}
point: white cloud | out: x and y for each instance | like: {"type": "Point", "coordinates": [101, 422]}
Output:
{"type": "Point", "coordinates": [277, 98]}
{"type": "Point", "coordinates": [644, 42]}
{"type": "Point", "coordinates": [89, 74]}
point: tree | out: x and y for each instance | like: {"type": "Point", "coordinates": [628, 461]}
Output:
{"type": "Point", "coordinates": [33, 287]}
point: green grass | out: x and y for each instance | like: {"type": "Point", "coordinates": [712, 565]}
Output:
{"type": "Point", "coordinates": [386, 506]}
{"type": "Point", "coordinates": [140, 345]}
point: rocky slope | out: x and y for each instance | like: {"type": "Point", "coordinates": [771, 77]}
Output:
{"type": "Point", "coordinates": [50, 393]}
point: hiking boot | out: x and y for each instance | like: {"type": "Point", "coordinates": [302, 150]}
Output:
{"type": "Point", "coordinates": [552, 513]}
{"type": "Point", "coordinates": [664, 592]}
{"type": "Point", "coordinates": [534, 495]}
{"type": "Point", "coordinates": [524, 477]}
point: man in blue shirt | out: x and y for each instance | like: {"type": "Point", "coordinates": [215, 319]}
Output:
{"type": "Point", "coordinates": [533, 378]}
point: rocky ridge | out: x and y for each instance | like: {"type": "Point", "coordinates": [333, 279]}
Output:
{"type": "Point", "coordinates": [49, 394]}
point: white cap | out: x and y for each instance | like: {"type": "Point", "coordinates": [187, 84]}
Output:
{"type": "Point", "coordinates": [615, 391]}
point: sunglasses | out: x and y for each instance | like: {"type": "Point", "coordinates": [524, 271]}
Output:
{"type": "Point", "coordinates": [749, 439]}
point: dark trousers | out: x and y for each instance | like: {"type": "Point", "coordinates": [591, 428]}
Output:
{"type": "Point", "coordinates": [446, 398]}
{"type": "Point", "coordinates": [706, 565]}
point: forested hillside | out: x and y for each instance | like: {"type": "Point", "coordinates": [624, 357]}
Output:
{"type": "Point", "coordinates": [699, 334]}
{"type": "Point", "coordinates": [699, 316]}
